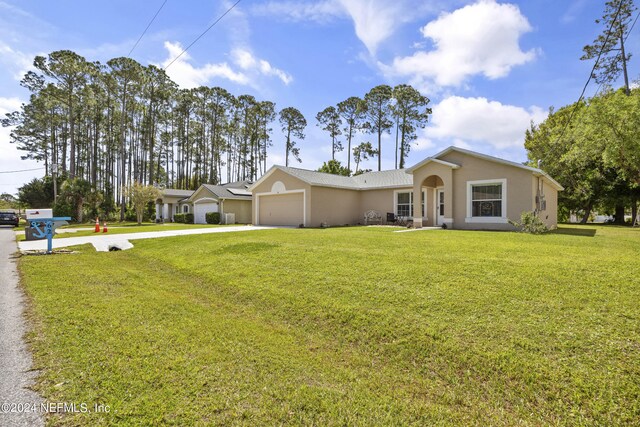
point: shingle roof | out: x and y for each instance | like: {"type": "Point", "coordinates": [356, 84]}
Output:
{"type": "Point", "coordinates": [396, 178]}
{"type": "Point", "coordinates": [366, 181]}
{"type": "Point", "coordinates": [384, 179]}
{"type": "Point", "coordinates": [238, 184]}
{"type": "Point", "coordinates": [222, 192]}
{"type": "Point", "coordinates": [172, 192]}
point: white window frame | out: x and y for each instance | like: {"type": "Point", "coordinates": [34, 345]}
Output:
{"type": "Point", "coordinates": [424, 202]}
{"type": "Point", "coordinates": [487, 219]}
{"type": "Point", "coordinates": [187, 209]}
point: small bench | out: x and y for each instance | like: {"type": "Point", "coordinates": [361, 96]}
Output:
{"type": "Point", "coordinates": [372, 217]}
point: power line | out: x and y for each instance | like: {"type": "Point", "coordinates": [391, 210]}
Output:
{"type": "Point", "coordinates": [625, 40]}
{"type": "Point", "coordinates": [148, 25]}
{"type": "Point", "coordinates": [23, 170]}
{"type": "Point", "coordinates": [584, 89]}
{"type": "Point", "coordinates": [203, 33]}
{"type": "Point", "coordinates": [632, 25]}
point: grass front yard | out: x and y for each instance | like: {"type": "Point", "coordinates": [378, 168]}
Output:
{"type": "Point", "coordinates": [350, 326]}
{"type": "Point", "coordinates": [117, 228]}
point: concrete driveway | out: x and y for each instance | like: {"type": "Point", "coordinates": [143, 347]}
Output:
{"type": "Point", "coordinates": [15, 359]}
{"type": "Point", "coordinates": [102, 242]}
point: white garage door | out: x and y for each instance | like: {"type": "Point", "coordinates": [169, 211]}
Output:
{"type": "Point", "coordinates": [201, 209]}
{"type": "Point", "coordinates": [281, 209]}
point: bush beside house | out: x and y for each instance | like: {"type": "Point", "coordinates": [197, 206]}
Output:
{"type": "Point", "coordinates": [184, 218]}
{"type": "Point", "coordinates": [212, 217]}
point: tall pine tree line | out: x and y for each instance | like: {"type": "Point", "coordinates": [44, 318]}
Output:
{"type": "Point", "coordinates": [117, 123]}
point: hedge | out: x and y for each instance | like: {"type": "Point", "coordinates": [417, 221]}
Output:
{"type": "Point", "coordinates": [185, 218]}
{"type": "Point", "coordinates": [212, 217]}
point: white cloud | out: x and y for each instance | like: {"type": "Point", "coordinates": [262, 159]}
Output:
{"type": "Point", "coordinates": [188, 76]}
{"type": "Point", "coordinates": [320, 12]}
{"type": "Point", "coordinates": [248, 62]}
{"type": "Point", "coordinates": [481, 38]}
{"type": "Point", "coordinates": [374, 20]}
{"type": "Point", "coordinates": [250, 68]}
{"type": "Point", "coordinates": [10, 158]}
{"type": "Point", "coordinates": [18, 62]}
{"type": "Point", "coordinates": [573, 11]}
{"type": "Point", "coordinates": [462, 121]}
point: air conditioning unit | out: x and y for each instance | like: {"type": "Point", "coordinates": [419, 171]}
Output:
{"type": "Point", "coordinates": [229, 218]}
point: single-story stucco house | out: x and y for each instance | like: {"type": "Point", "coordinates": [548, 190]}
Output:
{"type": "Point", "coordinates": [232, 198]}
{"type": "Point", "coordinates": [458, 188]}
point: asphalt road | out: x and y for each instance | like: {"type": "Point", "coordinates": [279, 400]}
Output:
{"type": "Point", "coordinates": [15, 359]}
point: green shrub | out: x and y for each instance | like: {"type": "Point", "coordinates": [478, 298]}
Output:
{"type": "Point", "coordinates": [64, 208]}
{"type": "Point", "coordinates": [530, 223]}
{"type": "Point", "coordinates": [179, 217]}
{"type": "Point", "coordinates": [212, 217]}
{"type": "Point", "coordinates": [188, 218]}
{"type": "Point", "coordinates": [130, 215]}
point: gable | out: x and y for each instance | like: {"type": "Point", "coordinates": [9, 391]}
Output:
{"type": "Point", "coordinates": [471, 158]}
{"type": "Point", "coordinates": [201, 193]}
{"type": "Point", "coordinates": [275, 174]}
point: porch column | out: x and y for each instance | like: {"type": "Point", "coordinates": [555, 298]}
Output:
{"type": "Point", "coordinates": [166, 213]}
{"type": "Point", "coordinates": [417, 204]}
{"type": "Point", "coordinates": [448, 199]}
{"type": "Point", "coordinates": [158, 212]}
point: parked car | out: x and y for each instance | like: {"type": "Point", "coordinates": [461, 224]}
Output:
{"type": "Point", "coordinates": [9, 218]}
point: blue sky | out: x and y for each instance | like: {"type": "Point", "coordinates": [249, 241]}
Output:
{"type": "Point", "coordinates": [489, 67]}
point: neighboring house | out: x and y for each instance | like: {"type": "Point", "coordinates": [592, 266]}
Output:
{"type": "Point", "coordinates": [456, 187]}
{"type": "Point", "coordinates": [171, 202]}
{"type": "Point", "coordinates": [232, 198]}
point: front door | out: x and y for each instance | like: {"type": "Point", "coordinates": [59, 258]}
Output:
{"type": "Point", "coordinates": [440, 207]}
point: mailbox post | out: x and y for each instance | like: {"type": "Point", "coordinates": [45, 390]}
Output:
{"type": "Point", "coordinates": [43, 225]}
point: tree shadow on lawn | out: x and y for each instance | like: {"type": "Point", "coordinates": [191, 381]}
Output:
{"type": "Point", "coordinates": [582, 232]}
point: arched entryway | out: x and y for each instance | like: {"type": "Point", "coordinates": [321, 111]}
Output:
{"type": "Point", "coordinates": [435, 198]}
{"type": "Point", "coordinates": [435, 178]}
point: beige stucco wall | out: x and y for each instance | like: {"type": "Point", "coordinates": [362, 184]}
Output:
{"type": "Point", "coordinates": [334, 206]}
{"type": "Point", "coordinates": [290, 183]}
{"type": "Point", "coordinates": [550, 214]}
{"type": "Point", "coordinates": [378, 200]}
{"type": "Point", "coordinates": [242, 209]}
{"type": "Point", "coordinates": [430, 174]}
{"type": "Point", "coordinates": [518, 192]}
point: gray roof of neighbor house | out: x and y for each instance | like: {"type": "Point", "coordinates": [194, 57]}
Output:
{"type": "Point", "coordinates": [172, 192]}
{"type": "Point", "coordinates": [238, 184]}
{"type": "Point", "coordinates": [226, 192]}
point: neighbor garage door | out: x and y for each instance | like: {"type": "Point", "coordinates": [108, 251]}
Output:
{"type": "Point", "coordinates": [200, 210]}
{"type": "Point", "coordinates": [281, 209]}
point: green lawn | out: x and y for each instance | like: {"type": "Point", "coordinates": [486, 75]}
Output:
{"type": "Point", "coordinates": [116, 228]}
{"type": "Point", "coordinates": [349, 326]}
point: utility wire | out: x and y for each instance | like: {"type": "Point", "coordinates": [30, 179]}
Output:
{"type": "Point", "coordinates": [145, 30]}
{"type": "Point", "coordinates": [632, 25]}
{"type": "Point", "coordinates": [203, 33]}
{"type": "Point", "coordinates": [23, 170]}
{"type": "Point", "coordinates": [625, 40]}
{"type": "Point", "coordinates": [584, 89]}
